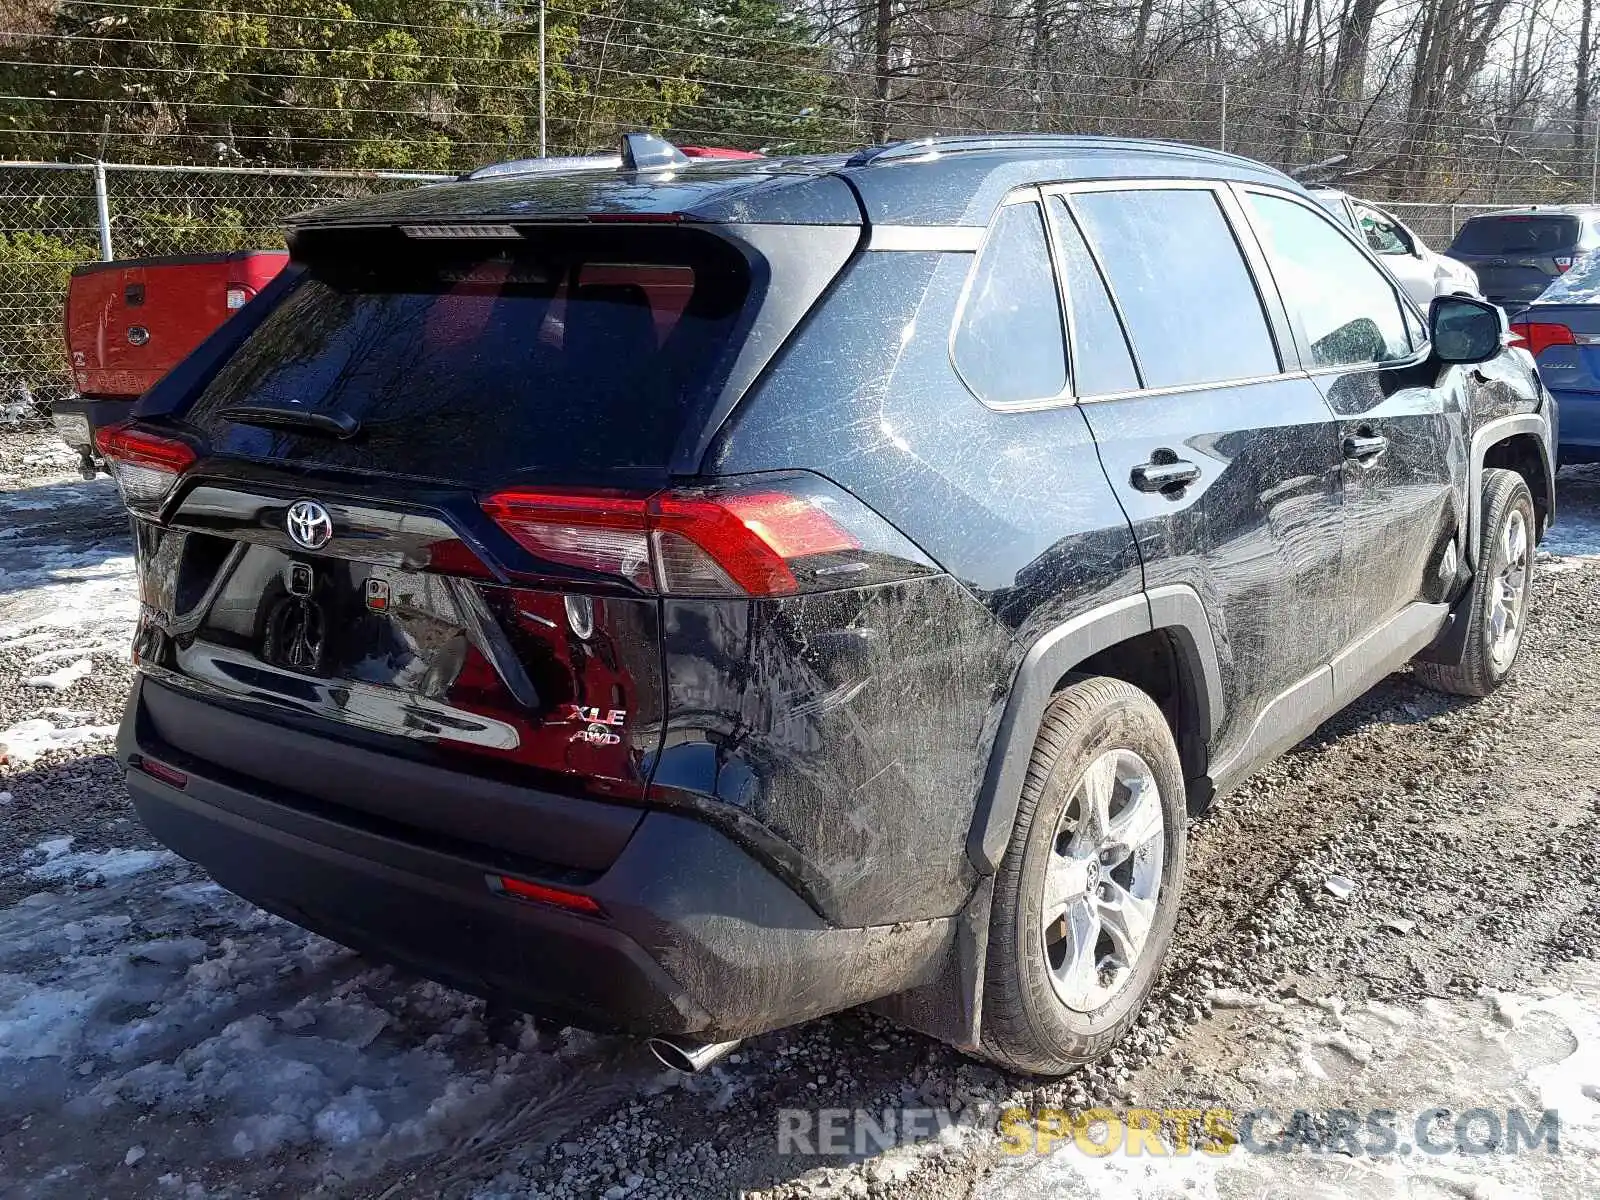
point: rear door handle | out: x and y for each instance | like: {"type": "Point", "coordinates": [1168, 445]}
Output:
{"type": "Point", "coordinates": [1362, 447]}
{"type": "Point", "coordinates": [1161, 476]}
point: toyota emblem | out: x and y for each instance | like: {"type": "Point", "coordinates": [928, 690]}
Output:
{"type": "Point", "coordinates": [309, 524]}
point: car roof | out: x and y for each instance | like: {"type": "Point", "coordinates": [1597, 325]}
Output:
{"type": "Point", "coordinates": [933, 181]}
{"type": "Point", "coordinates": [1541, 210]}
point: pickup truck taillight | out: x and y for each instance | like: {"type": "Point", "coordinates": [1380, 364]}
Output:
{"type": "Point", "coordinates": [145, 465]}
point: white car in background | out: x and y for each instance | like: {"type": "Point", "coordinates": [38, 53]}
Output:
{"type": "Point", "coordinates": [1420, 271]}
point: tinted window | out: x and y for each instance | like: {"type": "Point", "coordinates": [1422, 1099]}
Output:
{"type": "Point", "coordinates": [1346, 306]}
{"type": "Point", "coordinates": [1190, 303]}
{"type": "Point", "coordinates": [1517, 235]}
{"type": "Point", "coordinates": [1009, 345]}
{"type": "Point", "coordinates": [1382, 234]}
{"type": "Point", "coordinates": [1101, 361]}
{"type": "Point", "coordinates": [465, 361]}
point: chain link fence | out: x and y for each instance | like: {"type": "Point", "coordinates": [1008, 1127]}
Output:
{"type": "Point", "coordinates": [55, 216]}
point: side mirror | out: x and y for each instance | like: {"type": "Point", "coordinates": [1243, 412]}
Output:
{"type": "Point", "coordinates": [1464, 330]}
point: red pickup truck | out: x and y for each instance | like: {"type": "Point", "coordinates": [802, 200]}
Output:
{"type": "Point", "coordinates": [131, 321]}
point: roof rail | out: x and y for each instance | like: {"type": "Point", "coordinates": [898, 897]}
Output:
{"type": "Point", "coordinates": [639, 152]}
{"type": "Point", "coordinates": [545, 166]}
{"type": "Point", "coordinates": [967, 143]}
{"type": "Point", "coordinates": [962, 143]}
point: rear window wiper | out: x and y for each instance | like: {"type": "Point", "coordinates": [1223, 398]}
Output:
{"type": "Point", "coordinates": [333, 424]}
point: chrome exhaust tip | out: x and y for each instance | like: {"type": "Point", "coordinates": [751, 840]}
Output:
{"type": "Point", "coordinates": [688, 1057]}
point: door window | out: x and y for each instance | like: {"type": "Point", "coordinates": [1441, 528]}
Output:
{"type": "Point", "coordinates": [1383, 235]}
{"type": "Point", "coordinates": [1347, 307]}
{"type": "Point", "coordinates": [1177, 274]}
{"type": "Point", "coordinates": [1101, 361]}
{"type": "Point", "coordinates": [1009, 344]}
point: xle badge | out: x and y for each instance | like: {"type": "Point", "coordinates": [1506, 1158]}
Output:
{"type": "Point", "coordinates": [601, 725]}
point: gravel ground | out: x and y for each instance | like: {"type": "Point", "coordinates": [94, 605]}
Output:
{"type": "Point", "coordinates": [160, 1038]}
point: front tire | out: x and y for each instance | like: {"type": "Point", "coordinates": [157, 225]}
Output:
{"type": "Point", "coordinates": [1087, 895]}
{"type": "Point", "coordinates": [1497, 608]}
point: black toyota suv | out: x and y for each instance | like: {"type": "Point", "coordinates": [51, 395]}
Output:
{"type": "Point", "coordinates": [690, 598]}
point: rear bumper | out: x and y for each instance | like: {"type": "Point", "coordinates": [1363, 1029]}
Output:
{"type": "Point", "coordinates": [96, 413]}
{"type": "Point", "coordinates": [697, 938]}
{"type": "Point", "coordinates": [1579, 432]}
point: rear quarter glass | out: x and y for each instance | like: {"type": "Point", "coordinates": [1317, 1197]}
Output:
{"type": "Point", "coordinates": [583, 353]}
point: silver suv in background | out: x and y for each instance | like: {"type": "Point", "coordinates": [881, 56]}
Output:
{"type": "Point", "coordinates": [1517, 252]}
{"type": "Point", "coordinates": [1420, 271]}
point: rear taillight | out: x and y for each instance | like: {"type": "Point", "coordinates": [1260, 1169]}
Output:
{"type": "Point", "coordinates": [1563, 263]}
{"type": "Point", "coordinates": [769, 537]}
{"type": "Point", "coordinates": [144, 464]}
{"type": "Point", "coordinates": [1539, 335]}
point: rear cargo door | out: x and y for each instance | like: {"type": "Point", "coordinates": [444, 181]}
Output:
{"type": "Point", "coordinates": [1516, 256]}
{"type": "Point", "coordinates": [334, 558]}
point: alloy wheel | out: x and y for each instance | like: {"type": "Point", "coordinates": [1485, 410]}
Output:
{"type": "Point", "coordinates": [1103, 880]}
{"type": "Point", "coordinates": [1507, 592]}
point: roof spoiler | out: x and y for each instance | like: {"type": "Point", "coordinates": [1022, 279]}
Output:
{"type": "Point", "coordinates": [638, 152]}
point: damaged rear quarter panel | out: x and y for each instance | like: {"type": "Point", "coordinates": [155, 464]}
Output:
{"type": "Point", "coordinates": [848, 724]}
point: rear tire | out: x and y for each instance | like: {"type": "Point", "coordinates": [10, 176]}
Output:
{"type": "Point", "coordinates": [1087, 894]}
{"type": "Point", "coordinates": [1497, 608]}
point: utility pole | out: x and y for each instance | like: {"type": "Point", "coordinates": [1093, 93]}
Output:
{"type": "Point", "coordinates": [102, 206]}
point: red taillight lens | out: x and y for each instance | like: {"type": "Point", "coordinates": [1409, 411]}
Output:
{"type": "Point", "coordinates": [748, 540]}
{"type": "Point", "coordinates": [145, 465]}
{"type": "Point", "coordinates": [1539, 335]}
{"type": "Point", "coordinates": [523, 889]}
{"type": "Point", "coordinates": [767, 536]}
{"type": "Point", "coordinates": [159, 770]}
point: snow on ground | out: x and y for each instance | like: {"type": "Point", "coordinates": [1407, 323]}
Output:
{"type": "Point", "coordinates": [27, 740]}
{"type": "Point", "coordinates": [1532, 1051]}
{"type": "Point", "coordinates": [136, 996]}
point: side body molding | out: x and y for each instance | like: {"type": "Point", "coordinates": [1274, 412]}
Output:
{"type": "Point", "coordinates": [1177, 609]}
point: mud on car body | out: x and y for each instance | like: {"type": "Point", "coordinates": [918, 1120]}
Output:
{"type": "Point", "coordinates": [692, 598]}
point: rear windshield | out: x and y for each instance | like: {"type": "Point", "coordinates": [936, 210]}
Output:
{"type": "Point", "coordinates": [580, 353]}
{"type": "Point", "coordinates": [1517, 235]}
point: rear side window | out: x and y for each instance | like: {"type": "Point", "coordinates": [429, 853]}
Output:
{"type": "Point", "coordinates": [1347, 307]}
{"type": "Point", "coordinates": [464, 361]}
{"type": "Point", "coordinates": [1182, 284]}
{"type": "Point", "coordinates": [1009, 344]}
{"type": "Point", "coordinates": [1101, 362]}
{"type": "Point", "coordinates": [1517, 235]}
